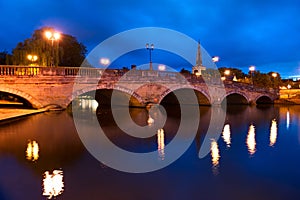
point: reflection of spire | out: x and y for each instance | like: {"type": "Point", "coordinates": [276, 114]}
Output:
{"type": "Point", "coordinates": [226, 135]}
{"type": "Point", "coordinates": [161, 143]}
{"type": "Point", "coordinates": [199, 56]}
{"type": "Point", "coordinates": [273, 132]}
{"type": "Point", "coordinates": [251, 143]}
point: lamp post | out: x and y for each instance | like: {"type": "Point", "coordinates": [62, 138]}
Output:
{"type": "Point", "coordinates": [252, 69]}
{"type": "Point", "coordinates": [150, 48]}
{"type": "Point", "coordinates": [274, 75]}
{"type": "Point", "coordinates": [53, 36]}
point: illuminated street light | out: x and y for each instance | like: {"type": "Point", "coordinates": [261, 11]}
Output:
{"type": "Point", "coordinates": [274, 74]}
{"type": "Point", "coordinates": [162, 67]}
{"type": "Point", "coordinates": [32, 58]}
{"type": "Point", "coordinates": [53, 36]}
{"type": "Point", "coordinates": [104, 61]}
{"type": "Point", "coordinates": [227, 72]}
{"type": "Point", "coordinates": [150, 48]}
{"type": "Point", "coordinates": [215, 59]}
{"type": "Point", "coordinates": [252, 69]}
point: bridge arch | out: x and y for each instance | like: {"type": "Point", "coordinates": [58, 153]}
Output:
{"type": "Point", "coordinates": [264, 99]}
{"type": "Point", "coordinates": [203, 97]}
{"type": "Point", "coordinates": [34, 103]}
{"type": "Point", "coordinates": [136, 100]}
{"type": "Point", "coordinates": [235, 97]}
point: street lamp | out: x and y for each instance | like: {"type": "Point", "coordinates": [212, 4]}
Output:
{"type": "Point", "coordinates": [32, 58]}
{"type": "Point", "coordinates": [53, 36]}
{"type": "Point", "coordinates": [252, 69]}
{"type": "Point", "coordinates": [150, 48]}
{"type": "Point", "coordinates": [274, 75]}
{"type": "Point", "coordinates": [215, 59]}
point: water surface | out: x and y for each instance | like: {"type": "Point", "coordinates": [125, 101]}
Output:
{"type": "Point", "coordinates": [256, 157]}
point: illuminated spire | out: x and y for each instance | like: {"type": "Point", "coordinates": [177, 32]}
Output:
{"type": "Point", "coordinates": [199, 56]}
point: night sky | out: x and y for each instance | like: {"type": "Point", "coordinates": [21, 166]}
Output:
{"type": "Point", "coordinates": [264, 33]}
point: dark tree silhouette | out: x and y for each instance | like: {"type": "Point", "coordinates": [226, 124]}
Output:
{"type": "Point", "coordinates": [66, 51]}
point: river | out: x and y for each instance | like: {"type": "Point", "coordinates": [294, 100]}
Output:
{"type": "Point", "coordinates": [257, 156]}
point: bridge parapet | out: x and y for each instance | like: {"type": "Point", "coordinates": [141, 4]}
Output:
{"type": "Point", "coordinates": [54, 85]}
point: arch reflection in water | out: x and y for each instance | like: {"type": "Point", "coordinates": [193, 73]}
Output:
{"type": "Point", "coordinates": [215, 156]}
{"type": "Point", "coordinates": [251, 143]}
{"type": "Point", "coordinates": [53, 184]}
{"type": "Point", "coordinates": [32, 151]}
{"type": "Point", "coordinates": [226, 135]}
{"type": "Point", "coordinates": [161, 144]}
{"type": "Point", "coordinates": [273, 132]}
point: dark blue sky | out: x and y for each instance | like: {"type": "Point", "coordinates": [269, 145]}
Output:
{"type": "Point", "coordinates": [264, 33]}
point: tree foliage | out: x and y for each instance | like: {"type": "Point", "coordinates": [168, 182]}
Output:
{"type": "Point", "coordinates": [66, 51]}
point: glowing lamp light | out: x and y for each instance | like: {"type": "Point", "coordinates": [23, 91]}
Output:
{"type": "Point", "coordinates": [223, 78]}
{"type": "Point", "coordinates": [104, 61]}
{"type": "Point", "coordinates": [161, 67]}
{"type": "Point", "coordinates": [32, 57]}
{"type": "Point", "coordinates": [274, 74]}
{"type": "Point", "coordinates": [197, 73]}
{"type": "Point", "coordinates": [52, 35]}
{"type": "Point", "coordinates": [252, 68]}
{"type": "Point", "coordinates": [215, 59]}
{"type": "Point", "coordinates": [227, 72]}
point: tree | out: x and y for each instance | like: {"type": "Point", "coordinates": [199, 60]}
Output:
{"type": "Point", "coordinates": [3, 57]}
{"type": "Point", "coordinates": [66, 51]}
{"type": "Point", "coordinates": [233, 72]}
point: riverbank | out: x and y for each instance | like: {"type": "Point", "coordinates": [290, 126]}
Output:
{"type": "Point", "coordinates": [13, 113]}
{"type": "Point", "coordinates": [291, 101]}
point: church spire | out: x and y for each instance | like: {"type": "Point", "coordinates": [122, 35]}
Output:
{"type": "Point", "coordinates": [199, 56]}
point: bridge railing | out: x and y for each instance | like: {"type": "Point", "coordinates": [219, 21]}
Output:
{"type": "Point", "coordinates": [115, 74]}
{"type": "Point", "coordinates": [11, 70]}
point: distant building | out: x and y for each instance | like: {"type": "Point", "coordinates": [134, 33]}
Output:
{"type": "Point", "coordinates": [197, 69]}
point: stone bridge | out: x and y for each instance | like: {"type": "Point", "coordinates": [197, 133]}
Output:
{"type": "Point", "coordinates": [41, 87]}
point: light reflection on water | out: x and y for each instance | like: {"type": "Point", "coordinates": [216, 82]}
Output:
{"type": "Point", "coordinates": [56, 147]}
{"type": "Point", "coordinates": [32, 151]}
{"type": "Point", "coordinates": [53, 184]}
{"type": "Point", "coordinates": [226, 135]}
{"type": "Point", "coordinates": [273, 132]}
{"type": "Point", "coordinates": [161, 144]}
{"type": "Point", "coordinates": [215, 156]}
{"type": "Point", "coordinates": [251, 143]}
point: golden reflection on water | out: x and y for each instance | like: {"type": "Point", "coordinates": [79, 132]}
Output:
{"type": "Point", "coordinates": [53, 184]}
{"type": "Point", "coordinates": [32, 151]}
{"type": "Point", "coordinates": [226, 135]}
{"type": "Point", "coordinates": [251, 143]}
{"type": "Point", "coordinates": [273, 133]}
{"type": "Point", "coordinates": [90, 104]}
{"type": "Point", "coordinates": [150, 120]}
{"type": "Point", "coordinates": [161, 144]}
{"type": "Point", "coordinates": [215, 156]}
